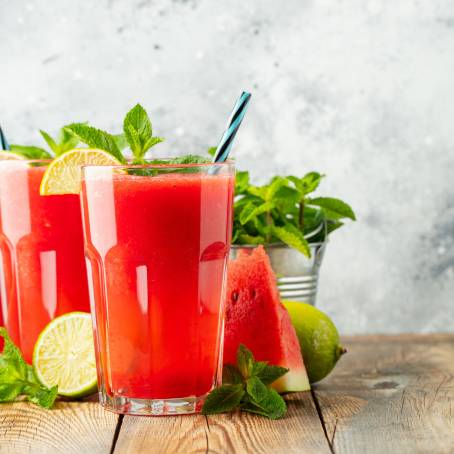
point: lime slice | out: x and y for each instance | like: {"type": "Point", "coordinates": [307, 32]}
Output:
{"type": "Point", "coordinates": [64, 355]}
{"type": "Point", "coordinates": [64, 174]}
{"type": "Point", "coordinates": [9, 156]}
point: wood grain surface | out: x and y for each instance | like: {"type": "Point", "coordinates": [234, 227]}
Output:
{"type": "Point", "coordinates": [299, 432]}
{"type": "Point", "coordinates": [389, 394]}
{"type": "Point", "coordinates": [68, 428]}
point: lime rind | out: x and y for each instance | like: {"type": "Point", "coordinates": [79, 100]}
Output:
{"type": "Point", "coordinates": [64, 355]}
{"type": "Point", "coordinates": [64, 174]}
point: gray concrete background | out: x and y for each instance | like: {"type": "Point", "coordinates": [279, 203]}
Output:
{"type": "Point", "coordinates": [361, 90]}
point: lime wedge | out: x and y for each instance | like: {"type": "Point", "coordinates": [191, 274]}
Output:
{"type": "Point", "coordinates": [64, 174]}
{"type": "Point", "coordinates": [64, 355]}
{"type": "Point", "coordinates": [8, 156]}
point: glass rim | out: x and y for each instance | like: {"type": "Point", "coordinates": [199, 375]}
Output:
{"type": "Point", "coordinates": [163, 166]}
{"type": "Point", "coordinates": [28, 161]}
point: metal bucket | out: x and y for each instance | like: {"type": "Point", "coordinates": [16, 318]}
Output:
{"type": "Point", "coordinates": [297, 275]}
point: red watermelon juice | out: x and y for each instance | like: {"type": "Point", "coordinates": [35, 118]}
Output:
{"type": "Point", "coordinates": [157, 243]}
{"type": "Point", "coordinates": [42, 265]}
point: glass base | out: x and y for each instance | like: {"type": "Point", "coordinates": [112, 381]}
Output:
{"type": "Point", "coordinates": [152, 407]}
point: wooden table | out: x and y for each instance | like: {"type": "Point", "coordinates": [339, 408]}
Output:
{"type": "Point", "coordinates": [389, 394]}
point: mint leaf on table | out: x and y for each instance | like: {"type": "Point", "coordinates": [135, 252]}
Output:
{"type": "Point", "coordinates": [139, 132]}
{"type": "Point", "coordinates": [17, 377]}
{"type": "Point", "coordinates": [269, 374]}
{"type": "Point", "coordinates": [231, 375]}
{"type": "Point", "coordinates": [246, 386]}
{"type": "Point", "coordinates": [333, 208]}
{"type": "Point", "coordinates": [272, 405]}
{"type": "Point", "coordinates": [222, 399]}
{"type": "Point", "coordinates": [96, 138]}
{"type": "Point", "coordinates": [30, 152]}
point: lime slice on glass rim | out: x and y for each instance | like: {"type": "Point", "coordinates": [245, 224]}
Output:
{"type": "Point", "coordinates": [64, 355]}
{"type": "Point", "coordinates": [64, 174]}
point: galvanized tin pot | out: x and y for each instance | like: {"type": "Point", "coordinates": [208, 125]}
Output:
{"type": "Point", "coordinates": [297, 275]}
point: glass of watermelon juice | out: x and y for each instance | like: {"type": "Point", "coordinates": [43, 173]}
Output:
{"type": "Point", "coordinates": [157, 240]}
{"type": "Point", "coordinates": [42, 265]}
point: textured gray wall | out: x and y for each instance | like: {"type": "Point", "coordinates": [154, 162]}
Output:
{"type": "Point", "coordinates": [361, 90]}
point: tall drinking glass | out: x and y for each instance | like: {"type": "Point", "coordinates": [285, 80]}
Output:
{"type": "Point", "coordinates": [42, 265]}
{"type": "Point", "coordinates": [157, 240]}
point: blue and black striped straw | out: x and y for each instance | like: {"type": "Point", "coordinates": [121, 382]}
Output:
{"type": "Point", "coordinates": [3, 142]}
{"type": "Point", "coordinates": [236, 117]}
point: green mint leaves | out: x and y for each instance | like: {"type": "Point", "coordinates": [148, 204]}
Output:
{"type": "Point", "coordinates": [246, 386]}
{"type": "Point", "coordinates": [65, 141]}
{"type": "Point", "coordinates": [17, 377]}
{"type": "Point", "coordinates": [282, 211]}
{"type": "Point", "coordinates": [137, 134]}
{"type": "Point", "coordinates": [96, 138]}
{"type": "Point", "coordinates": [30, 152]}
{"type": "Point", "coordinates": [138, 131]}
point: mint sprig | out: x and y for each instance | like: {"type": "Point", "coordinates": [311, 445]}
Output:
{"type": "Point", "coordinates": [96, 138]}
{"type": "Point", "coordinates": [246, 386]}
{"type": "Point", "coordinates": [30, 151]}
{"type": "Point", "coordinates": [282, 211]}
{"type": "Point", "coordinates": [65, 141]}
{"type": "Point", "coordinates": [17, 378]}
{"type": "Point", "coordinates": [139, 132]}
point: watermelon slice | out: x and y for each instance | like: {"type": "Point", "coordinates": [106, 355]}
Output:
{"type": "Point", "coordinates": [256, 318]}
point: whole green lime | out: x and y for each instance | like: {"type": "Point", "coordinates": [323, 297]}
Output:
{"type": "Point", "coordinates": [318, 337]}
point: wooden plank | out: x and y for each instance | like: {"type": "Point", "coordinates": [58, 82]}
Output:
{"type": "Point", "coordinates": [299, 432]}
{"type": "Point", "coordinates": [391, 394]}
{"type": "Point", "coordinates": [70, 427]}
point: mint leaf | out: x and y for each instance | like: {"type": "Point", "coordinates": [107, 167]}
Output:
{"type": "Point", "coordinates": [50, 141]}
{"type": "Point", "coordinates": [231, 375]}
{"type": "Point", "coordinates": [66, 141]}
{"type": "Point", "coordinates": [272, 405]}
{"type": "Point", "coordinates": [138, 131]}
{"type": "Point", "coordinates": [270, 374]}
{"type": "Point", "coordinates": [309, 183]}
{"type": "Point", "coordinates": [245, 361]}
{"type": "Point", "coordinates": [251, 211]}
{"type": "Point", "coordinates": [256, 390]}
{"type": "Point", "coordinates": [96, 138]}
{"type": "Point", "coordinates": [333, 208]}
{"type": "Point", "coordinates": [276, 184]}
{"type": "Point", "coordinates": [30, 152]}
{"type": "Point", "coordinates": [258, 368]}
{"type": "Point", "coordinates": [212, 151]}
{"type": "Point", "coordinates": [244, 388]}
{"type": "Point", "coordinates": [241, 182]}
{"type": "Point", "coordinates": [293, 237]}
{"type": "Point", "coordinates": [121, 141]}
{"type": "Point", "coordinates": [225, 398]}
{"type": "Point", "coordinates": [9, 391]}
{"type": "Point", "coordinates": [17, 377]}
{"type": "Point", "coordinates": [40, 395]}
{"type": "Point", "coordinates": [244, 238]}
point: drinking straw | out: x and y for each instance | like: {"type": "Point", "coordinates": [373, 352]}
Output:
{"type": "Point", "coordinates": [3, 142]}
{"type": "Point", "coordinates": [236, 117]}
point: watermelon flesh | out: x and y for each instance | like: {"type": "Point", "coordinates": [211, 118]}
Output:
{"type": "Point", "coordinates": [256, 318]}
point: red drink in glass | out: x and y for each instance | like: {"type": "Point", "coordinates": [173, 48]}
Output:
{"type": "Point", "coordinates": [42, 266]}
{"type": "Point", "coordinates": [157, 247]}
